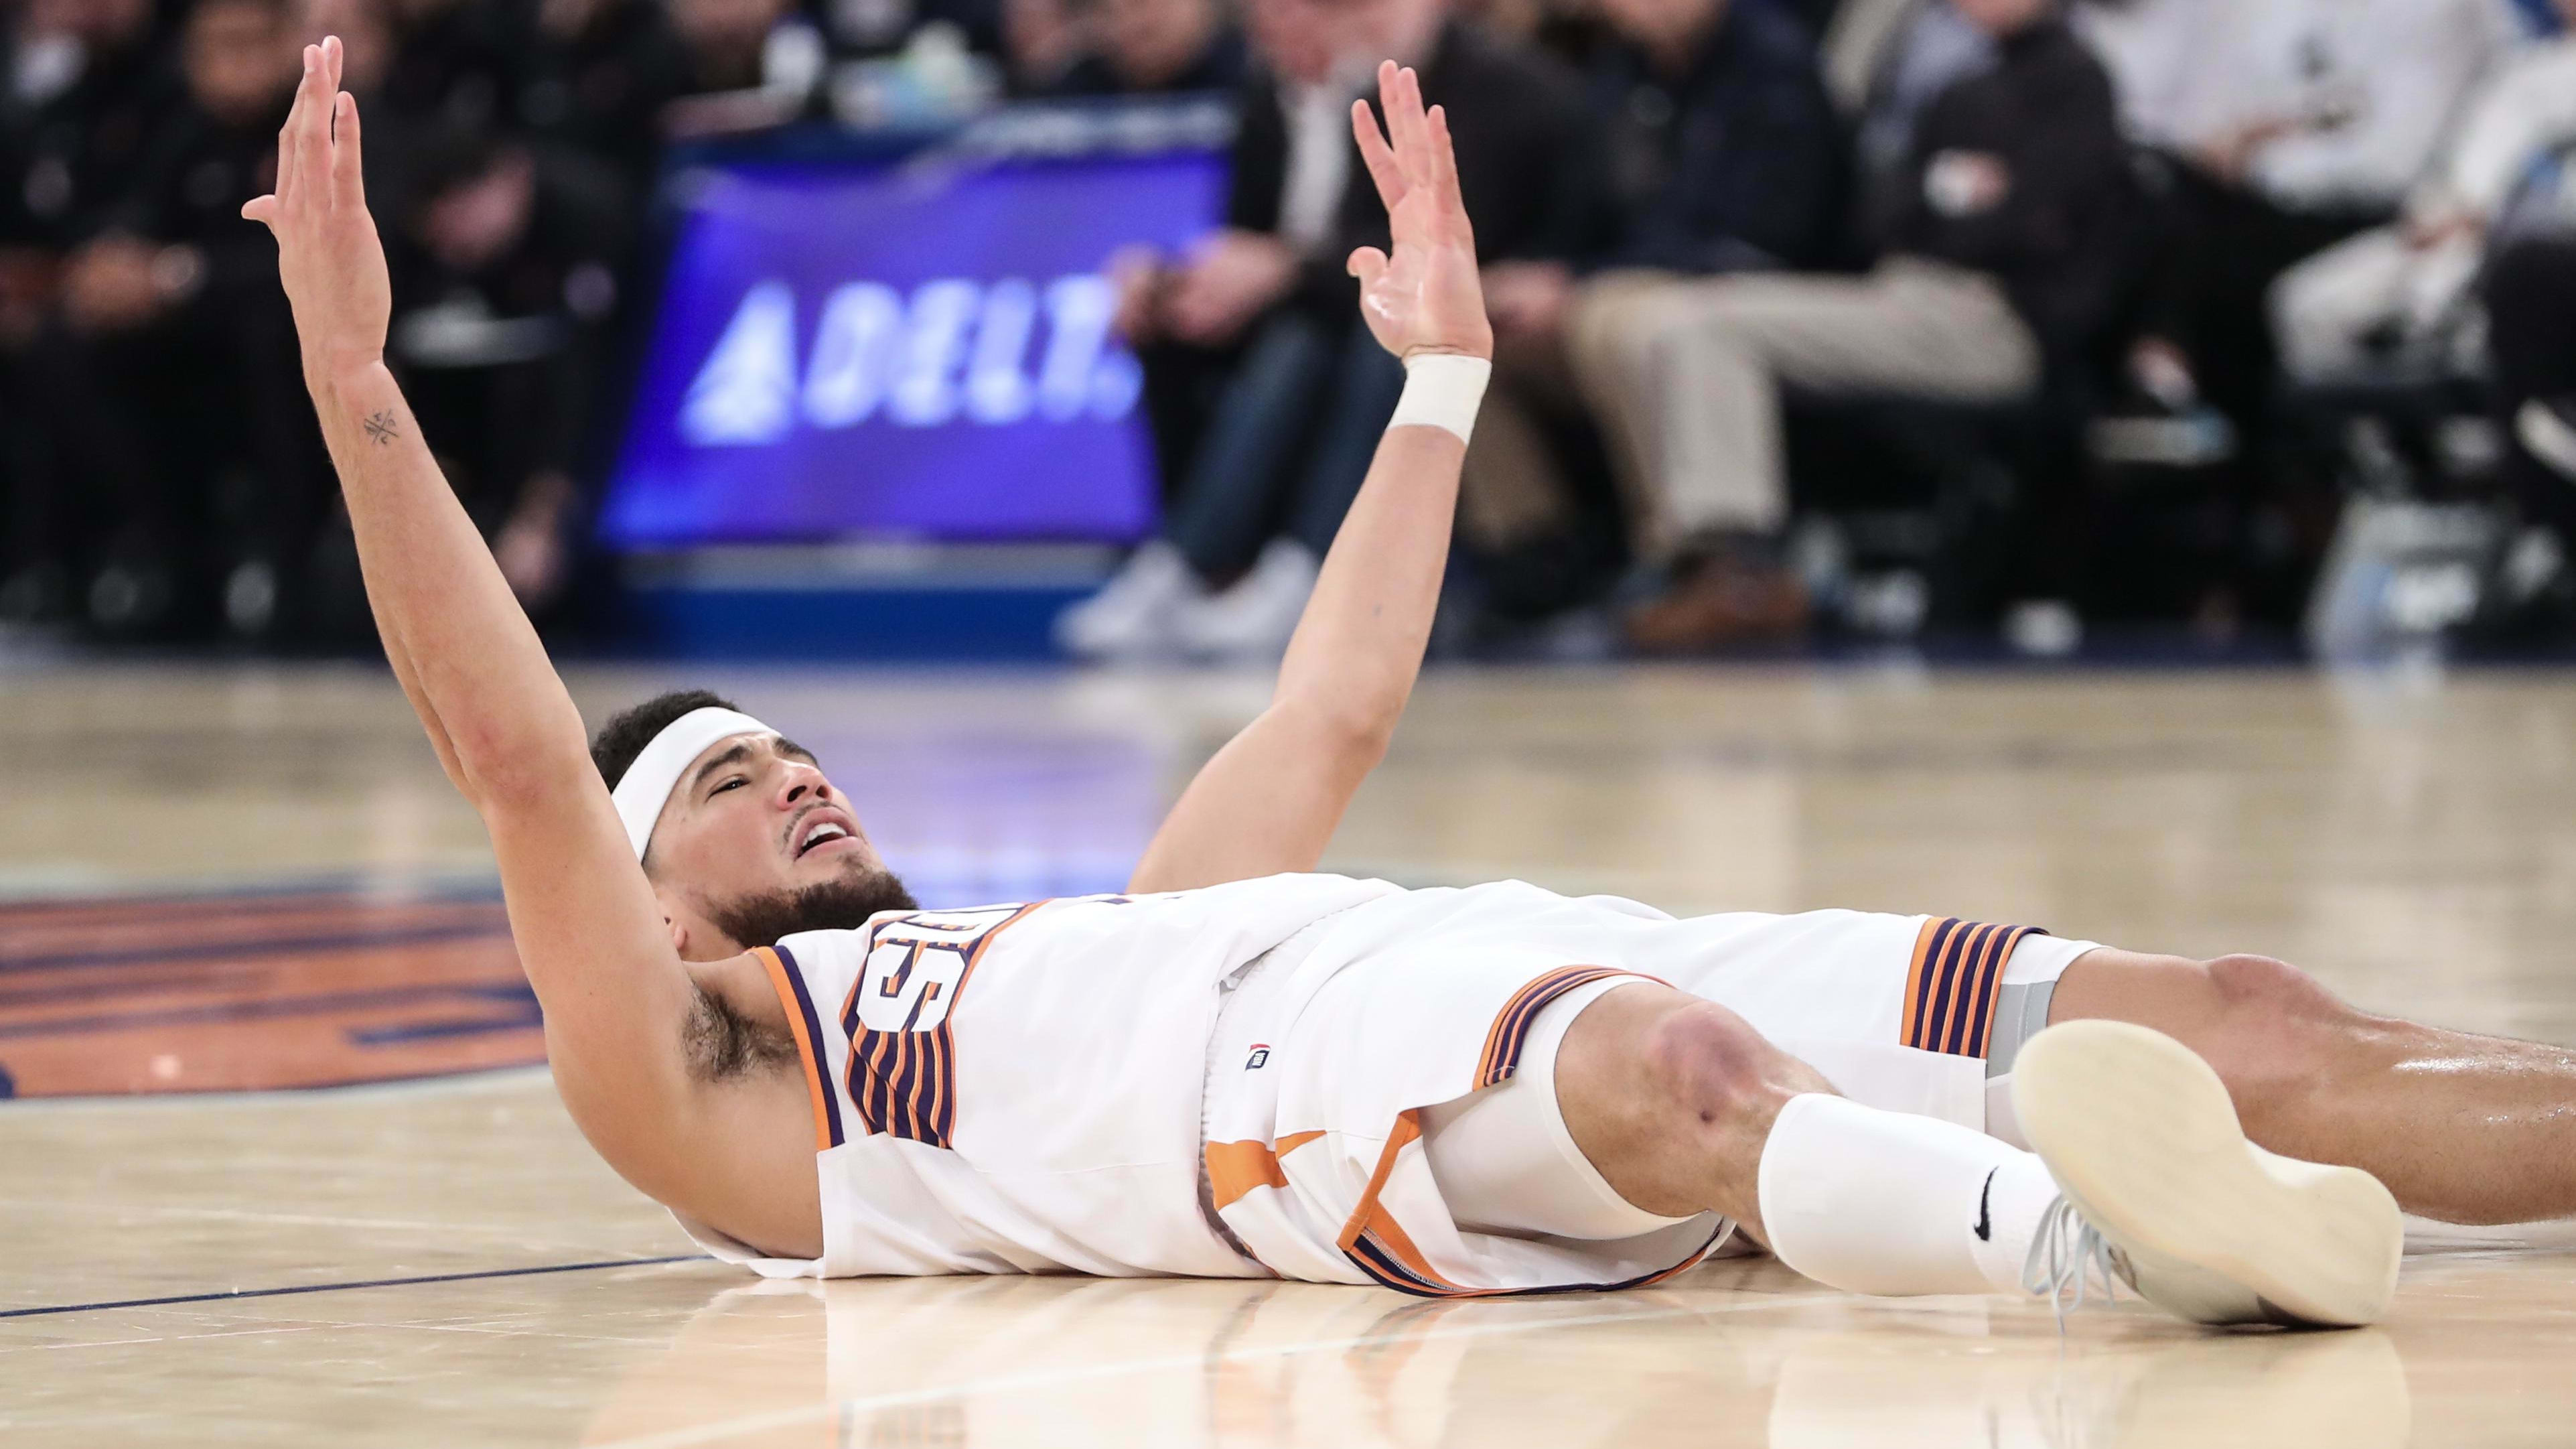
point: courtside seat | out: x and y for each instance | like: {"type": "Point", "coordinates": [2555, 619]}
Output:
{"type": "Point", "coordinates": [1962, 494]}
{"type": "Point", "coordinates": [2401, 431]}
{"type": "Point", "coordinates": [2399, 394]}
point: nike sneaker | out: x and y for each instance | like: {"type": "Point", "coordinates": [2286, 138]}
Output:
{"type": "Point", "coordinates": [2162, 1192]}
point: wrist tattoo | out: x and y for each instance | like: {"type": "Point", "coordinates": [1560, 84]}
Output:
{"type": "Point", "coordinates": [382, 427]}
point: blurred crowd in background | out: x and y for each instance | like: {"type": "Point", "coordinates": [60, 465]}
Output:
{"type": "Point", "coordinates": [1856, 315]}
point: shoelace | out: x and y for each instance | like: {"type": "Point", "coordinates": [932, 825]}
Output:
{"type": "Point", "coordinates": [2065, 1247]}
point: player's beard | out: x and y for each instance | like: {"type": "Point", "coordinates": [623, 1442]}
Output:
{"type": "Point", "coordinates": [843, 903]}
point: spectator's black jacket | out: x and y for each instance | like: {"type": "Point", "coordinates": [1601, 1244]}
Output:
{"type": "Point", "coordinates": [1738, 163]}
{"type": "Point", "coordinates": [460, 66]}
{"type": "Point", "coordinates": [1525, 163]}
{"type": "Point", "coordinates": [2058, 240]}
{"type": "Point", "coordinates": [508, 379]}
{"type": "Point", "coordinates": [195, 176]}
{"type": "Point", "coordinates": [78, 154]}
{"type": "Point", "coordinates": [1220, 67]}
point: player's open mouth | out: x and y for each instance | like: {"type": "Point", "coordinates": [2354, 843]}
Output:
{"type": "Point", "coordinates": [820, 833]}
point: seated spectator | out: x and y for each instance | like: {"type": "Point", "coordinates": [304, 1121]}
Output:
{"type": "Point", "coordinates": [170, 313]}
{"type": "Point", "coordinates": [2394, 293]}
{"type": "Point", "coordinates": [2004, 258]}
{"type": "Point", "coordinates": [505, 281]}
{"type": "Point", "coordinates": [1722, 149]}
{"type": "Point", "coordinates": [1259, 328]}
{"type": "Point", "coordinates": [2297, 123]}
{"type": "Point", "coordinates": [1723, 155]}
{"type": "Point", "coordinates": [1156, 47]}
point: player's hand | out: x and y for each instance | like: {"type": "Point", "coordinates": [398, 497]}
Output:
{"type": "Point", "coordinates": [328, 254]}
{"type": "Point", "coordinates": [1426, 297]}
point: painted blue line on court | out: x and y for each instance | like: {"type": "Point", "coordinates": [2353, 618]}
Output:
{"type": "Point", "coordinates": [345, 1287]}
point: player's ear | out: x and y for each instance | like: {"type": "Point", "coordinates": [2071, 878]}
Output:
{"type": "Point", "coordinates": [679, 937]}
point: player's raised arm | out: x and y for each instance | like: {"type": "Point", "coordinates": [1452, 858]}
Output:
{"type": "Point", "coordinates": [588, 929]}
{"type": "Point", "coordinates": [1271, 798]}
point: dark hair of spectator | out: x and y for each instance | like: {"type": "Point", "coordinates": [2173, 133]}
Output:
{"type": "Point", "coordinates": [628, 731]}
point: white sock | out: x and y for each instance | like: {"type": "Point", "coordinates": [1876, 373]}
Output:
{"type": "Point", "coordinates": [1889, 1204]}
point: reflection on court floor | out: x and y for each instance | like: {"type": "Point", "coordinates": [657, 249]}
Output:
{"type": "Point", "coordinates": [1073, 1365]}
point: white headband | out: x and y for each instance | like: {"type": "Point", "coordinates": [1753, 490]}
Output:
{"type": "Point", "coordinates": [647, 784]}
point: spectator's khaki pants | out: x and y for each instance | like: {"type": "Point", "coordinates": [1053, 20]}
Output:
{"type": "Point", "coordinates": [1685, 374]}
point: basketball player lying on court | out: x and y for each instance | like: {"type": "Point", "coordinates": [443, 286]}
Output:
{"type": "Point", "coordinates": [1238, 1069]}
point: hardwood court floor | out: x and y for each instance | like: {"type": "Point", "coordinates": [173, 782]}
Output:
{"type": "Point", "coordinates": [2413, 841]}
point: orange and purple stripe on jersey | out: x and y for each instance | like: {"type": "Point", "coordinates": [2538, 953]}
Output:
{"type": "Point", "coordinates": [788, 980]}
{"type": "Point", "coordinates": [1511, 1027]}
{"type": "Point", "coordinates": [1950, 991]}
{"type": "Point", "coordinates": [1381, 1248]}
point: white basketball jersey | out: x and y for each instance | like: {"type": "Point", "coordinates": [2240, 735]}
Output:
{"type": "Point", "coordinates": [1017, 1088]}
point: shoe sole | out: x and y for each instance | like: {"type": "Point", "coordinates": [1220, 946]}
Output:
{"type": "Point", "coordinates": [2141, 1134]}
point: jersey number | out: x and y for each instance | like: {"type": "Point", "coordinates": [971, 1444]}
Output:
{"type": "Point", "coordinates": [903, 1057]}
{"type": "Point", "coordinates": [912, 973]}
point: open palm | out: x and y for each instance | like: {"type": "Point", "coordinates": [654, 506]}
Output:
{"type": "Point", "coordinates": [1425, 298]}
{"type": "Point", "coordinates": [328, 254]}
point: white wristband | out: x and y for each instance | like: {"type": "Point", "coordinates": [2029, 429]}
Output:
{"type": "Point", "coordinates": [1442, 390]}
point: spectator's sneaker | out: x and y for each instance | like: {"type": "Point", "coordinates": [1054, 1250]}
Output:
{"type": "Point", "coordinates": [2547, 431]}
{"type": "Point", "coordinates": [1254, 618]}
{"type": "Point", "coordinates": [1132, 614]}
{"type": "Point", "coordinates": [1727, 598]}
{"type": "Point", "coordinates": [2163, 1191]}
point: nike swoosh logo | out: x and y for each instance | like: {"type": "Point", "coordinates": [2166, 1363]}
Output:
{"type": "Point", "coordinates": [1985, 1219]}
